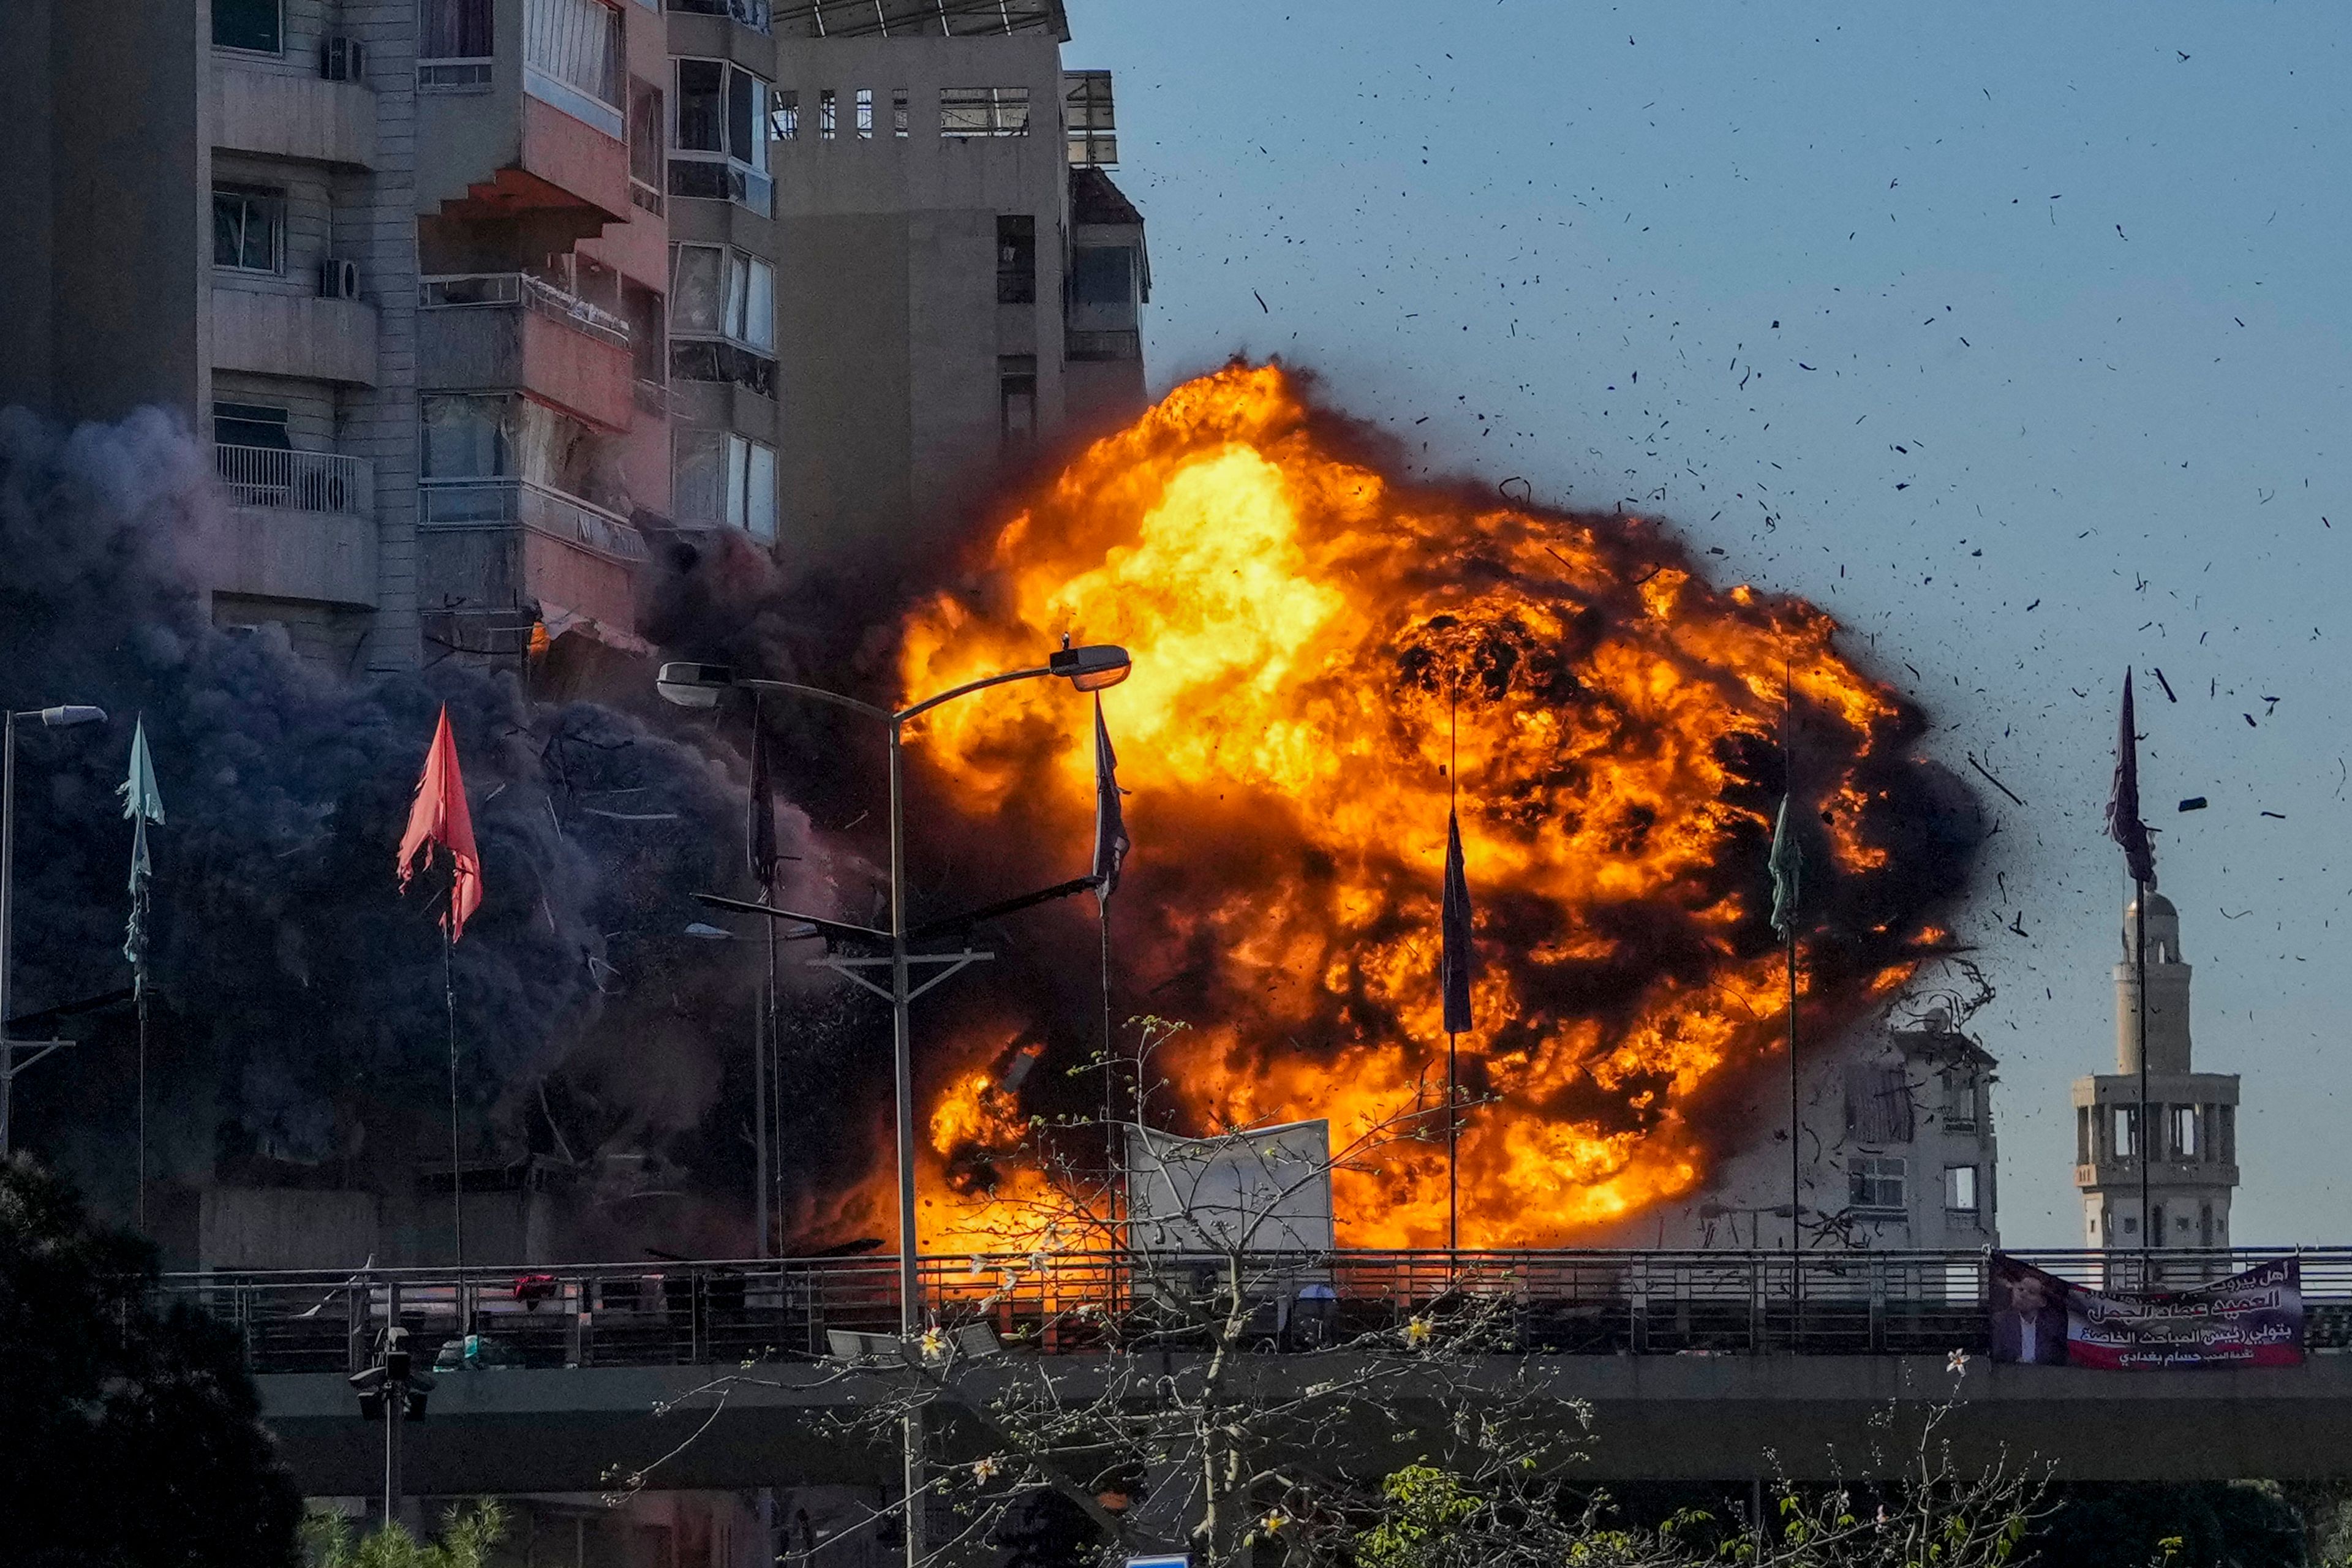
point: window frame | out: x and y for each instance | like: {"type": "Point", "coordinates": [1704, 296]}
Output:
{"type": "Point", "coordinates": [1963, 1190]}
{"type": "Point", "coordinates": [275, 52]}
{"type": "Point", "coordinates": [269, 197]}
{"type": "Point", "coordinates": [751, 182]}
{"type": "Point", "coordinates": [270, 417]}
{"type": "Point", "coordinates": [1866, 1185]}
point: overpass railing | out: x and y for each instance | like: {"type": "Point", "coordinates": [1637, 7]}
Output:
{"type": "Point", "coordinates": [1555, 1302]}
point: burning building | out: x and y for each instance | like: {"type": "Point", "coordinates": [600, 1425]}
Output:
{"type": "Point", "coordinates": [1325, 655]}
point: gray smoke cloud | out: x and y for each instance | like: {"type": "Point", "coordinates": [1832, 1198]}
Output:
{"type": "Point", "coordinates": [300, 1010]}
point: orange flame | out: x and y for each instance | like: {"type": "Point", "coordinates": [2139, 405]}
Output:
{"type": "Point", "coordinates": [1314, 645]}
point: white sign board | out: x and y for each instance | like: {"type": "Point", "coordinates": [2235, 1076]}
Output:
{"type": "Point", "coordinates": [1264, 1190]}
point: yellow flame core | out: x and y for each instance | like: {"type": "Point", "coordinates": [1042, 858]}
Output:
{"type": "Point", "coordinates": [1275, 597]}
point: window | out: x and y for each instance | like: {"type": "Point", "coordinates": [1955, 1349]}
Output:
{"type": "Point", "coordinates": [1088, 117]}
{"type": "Point", "coordinates": [249, 228]}
{"type": "Point", "coordinates": [572, 59]}
{"type": "Point", "coordinates": [824, 115]}
{"type": "Point", "coordinates": [724, 114]}
{"type": "Point", "coordinates": [714, 291]}
{"type": "Point", "coordinates": [2185, 1143]}
{"type": "Point", "coordinates": [250, 425]}
{"type": "Point", "coordinates": [751, 13]}
{"type": "Point", "coordinates": [898, 112]}
{"type": "Point", "coordinates": [2125, 1125]}
{"type": "Point", "coordinates": [1103, 275]}
{"type": "Point", "coordinates": [865, 114]}
{"type": "Point", "coordinates": [2205, 1224]}
{"type": "Point", "coordinates": [1017, 399]}
{"type": "Point", "coordinates": [1960, 1086]}
{"type": "Point", "coordinates": [2156, 1226]}
{"type": "Point", "coordinates": [449, 29]}
{"type": "Point", "coordinates": [248, 25]}
{"type": "Point", "coordinates": [983, 112]}
{"type": "Point", "coordinates": [1017, 259]}
{"type": "Point", "coordinates": [727, 480]}
{"type": "Point", "coordinates": [2082, 1136]}
{"type": "Point", "coordinates": [1875, 1182]}
{"type": "Point", "coordinates": [645, 144]}
{"type": "Point", "coordinates": [469, 437]}
{"type": "Point", "coordinates": [1960, 1188]}
{"type": "Point", "coordinates": [784, 118]}
{"type": "Point", "coordinates": [751, 301]}
{"type": "Point", "coordinates": [1878, 1103]}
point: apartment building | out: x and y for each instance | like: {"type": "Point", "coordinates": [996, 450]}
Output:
{"type": "Point", "coordinates": [472, 298]}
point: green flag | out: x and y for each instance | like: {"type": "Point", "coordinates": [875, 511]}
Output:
{"type": "Point", "coordinates": [1788, 864]}
{"type": "Point", "coordinates": [141, 804]}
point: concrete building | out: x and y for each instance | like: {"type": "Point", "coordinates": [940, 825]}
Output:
{"type": "Point", "coordinates": [1896, 1151]}
{"type": "Point", "coordinates": [455, 288]}
{"type": "Point", "coordinates": [382, 255]}
{"type": "Point", "coordinates": [2190, 1138]}
{"type": "Point", "coordinates": [943, 176]}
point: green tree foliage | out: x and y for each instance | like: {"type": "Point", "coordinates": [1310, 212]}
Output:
{"type": "Point", "coordinates": [2209, 1524]}
{"type": "Point", "coordinates": [467, 1538]}
{"type": "Point", "coordinates": [130, 1436]}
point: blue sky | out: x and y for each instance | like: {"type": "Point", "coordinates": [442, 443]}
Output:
{"type": "Point", "coordinates": [2005, 332]}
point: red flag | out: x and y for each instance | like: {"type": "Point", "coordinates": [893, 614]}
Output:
{"type": "Point", "coordinates": [439, 816]}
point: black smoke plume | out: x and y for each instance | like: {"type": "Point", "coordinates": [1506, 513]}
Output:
{"type": "Point", "coordinates": [299, 1032]}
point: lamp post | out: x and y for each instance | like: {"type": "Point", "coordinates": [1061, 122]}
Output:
{"type": "Point", "coordinates": [1089, 669]}
{"type": "Point", "coordinates": [55, 719]}
{"type": "Point", "coordinates": [393, 1391]}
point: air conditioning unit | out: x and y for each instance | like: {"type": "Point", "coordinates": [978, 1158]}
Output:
{"type": "Point", "coordinates": [339, 280]}
{"type": "Point", "coordinates": [343, 59]}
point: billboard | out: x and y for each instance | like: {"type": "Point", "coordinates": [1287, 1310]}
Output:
{"type": "Point", "coordinates": [2251, 1319]}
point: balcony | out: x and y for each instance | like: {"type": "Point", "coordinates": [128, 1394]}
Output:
{"type": "Point", "coordinates": [294, 335]}
{"type": "Point", "coordinates": [307, 118]}
{"type": "Point", "coordinates": [299, 525]}
{"type": "Point", "coordinates": [500, 331]}
{"type": "Point", "coordinates": [510, 545]}
{"type": "Point", "coordinates": [1102, 346]}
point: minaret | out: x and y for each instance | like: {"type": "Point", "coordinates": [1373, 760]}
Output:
{"type": "Point", "coordinates": [2192, 1136]}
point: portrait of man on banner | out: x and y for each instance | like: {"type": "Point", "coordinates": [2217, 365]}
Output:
{"type": "Point", "coordinates": [2028, 1313]}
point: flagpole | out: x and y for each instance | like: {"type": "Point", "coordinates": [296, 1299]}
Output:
{"type": "Point", "coordinates": [765, 1012]}
{"type": "Point", "coordinates": [139, 984]}
{"type": "Point", "coordinates": [1453, 1121]}
{"type": "Point", "coordinates": [457, 1170]}
{"type": "Point", "coordinates": [1795, 1130]}
{"type": "Point", "coordinates": [2139, 963]}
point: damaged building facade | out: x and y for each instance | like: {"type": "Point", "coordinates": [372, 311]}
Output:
{"type": "Point", "coordinates": [1896, 1151]}
{"type": "Point", "coordinates": [474, 303]}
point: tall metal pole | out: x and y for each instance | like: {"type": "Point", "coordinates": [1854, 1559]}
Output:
{"type": "Point", "coordinates": [457, 1170]}
{"type": "Point", "coordinates": [395, 1410]}
{"type": "Point", "coordinates": [1452, 1117]}
{"type": "Point", "coordinates": [2142, 1144]}
{"type": "Point", "coordinates": [763, 1014]}
{"type": "Point", "coordinates": [1796, 1128]}
{"type": "Point", "coordinates": [7, 878]}
{"type": "Point", "coordinates": [903, 1066]}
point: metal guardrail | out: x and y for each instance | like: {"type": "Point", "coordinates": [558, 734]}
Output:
{"type": "Point", "coordinates": [499, 503]}
{"type": "Point", "coordinates": [467, 291]}
{"type": "Point", "coordinates": [1563, 1302]}
{"type": "Point", "coordinates": [303, 481]}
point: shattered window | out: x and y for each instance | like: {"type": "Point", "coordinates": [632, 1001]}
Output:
{"type": "Point", "coordinates": [983, 112]}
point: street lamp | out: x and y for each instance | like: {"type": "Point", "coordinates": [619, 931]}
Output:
{"type": "Point", "coordinates": [1089, 669]}
{"type": "Point", "coordinates": [55, 719]}
{"type": "Point", "coordinates": [393, 1391]}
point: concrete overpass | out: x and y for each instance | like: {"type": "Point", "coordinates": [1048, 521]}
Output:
{"type": "Point", "coordinates": [1691, 1366]}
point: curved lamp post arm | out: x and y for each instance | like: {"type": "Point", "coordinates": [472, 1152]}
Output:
{"type": "Point", "coordinates": [927, 703]}
{"type": "Point", "coordinates": [836, 698]}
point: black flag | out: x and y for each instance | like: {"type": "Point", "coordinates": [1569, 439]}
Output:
{"type": "Point", "coordinates": [1458, 960]}
{"type": "Point", "coordinates": [760, 823]}
{"type": "Point", "coordinates": [1111, 843]}
{"type": "Point", "coordinates": [2124, 824]}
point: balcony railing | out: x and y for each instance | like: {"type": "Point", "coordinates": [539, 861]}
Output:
{"type": "Point", "coordinates": [465, 290]}
{"type": "Point", "coordinates": [303, 481]}
{"type": "Point", "coordinates": [1114, 344]}
{"type": "Point", "coordinates": [497, 503]}
{"type": "Point", "coordinates": [1557, 1303]}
